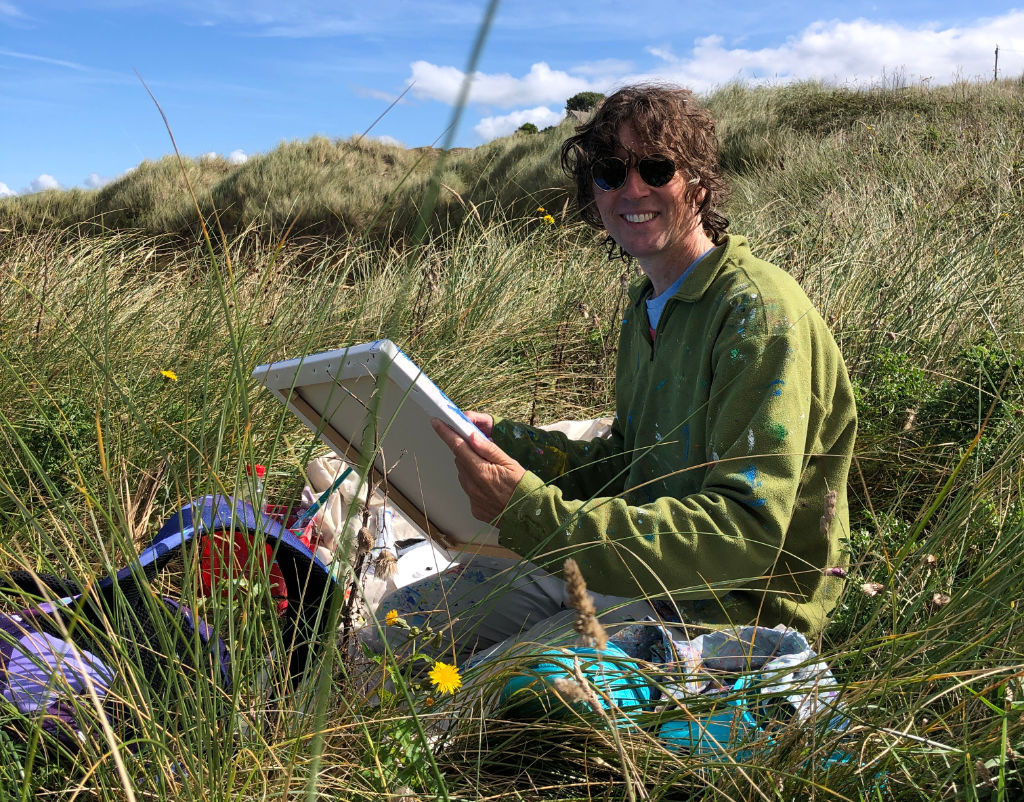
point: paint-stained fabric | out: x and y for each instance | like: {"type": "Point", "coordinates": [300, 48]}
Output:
{"type": "Point", "coordinates": [713, 489]}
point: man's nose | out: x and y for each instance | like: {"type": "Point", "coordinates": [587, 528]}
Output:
{"type": "Point", "coordinates": [634, 186]}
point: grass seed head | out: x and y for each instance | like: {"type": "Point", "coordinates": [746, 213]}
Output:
{"type": "Point", "coordinates": [586, 623]}
{"type": "Point", "coordinates": [365, 540]}
{"type": "Point", "coordinates": [570, 690]}
{"type": "Point", "coordinates": [386, 564]}
{"type": "Point", "coordinates": [830, 511]}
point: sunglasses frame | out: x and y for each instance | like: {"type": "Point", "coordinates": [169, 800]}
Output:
{"type": "Point", "coordinates": [633, 163]}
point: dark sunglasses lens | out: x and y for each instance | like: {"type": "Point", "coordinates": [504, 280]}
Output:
{"type": "Point", "coordinates": [609, 173]}
{"type": "Point", "coordinates": [656, 171]}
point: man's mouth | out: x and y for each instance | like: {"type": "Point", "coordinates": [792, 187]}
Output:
{"type": "Point", "coordinates": [642, 217]}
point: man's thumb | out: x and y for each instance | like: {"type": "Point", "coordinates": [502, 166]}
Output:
{"type": "Point", "coordinates": [487, 449]}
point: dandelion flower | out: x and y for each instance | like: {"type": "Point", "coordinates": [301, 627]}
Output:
{"type": "Point", "coordinates": [169, 374]}
{"type": "Point", "coordinates": [541, 210]}
{"type": "Point", "coordinates": [548, 219]}
{"type": "Point", "coordinates": [429, 701]}
{"type": "Point", "coordinates": [391, 618]}
{"type": "Point", "coordinates": [445, 677]}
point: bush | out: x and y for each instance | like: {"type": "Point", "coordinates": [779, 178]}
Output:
{"type": "Point", "coordinates": [583, 101]}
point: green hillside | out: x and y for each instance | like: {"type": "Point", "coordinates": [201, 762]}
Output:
{"type": "Point", "coordinates": [362, 188]}
{"type": "Point", "coordinates": [127, 342]}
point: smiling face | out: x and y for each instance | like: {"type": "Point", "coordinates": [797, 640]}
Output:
{"type": "Point", "coordinates": [658, 226]}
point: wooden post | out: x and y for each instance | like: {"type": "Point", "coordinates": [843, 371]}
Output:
{"type": "Point", "coordinates": [995, 67]}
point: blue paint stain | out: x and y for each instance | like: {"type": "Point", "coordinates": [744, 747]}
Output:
{"type": "Point", "coordinates": [659, 385]}
{"type": "Point", "coordinates": [750, 474]}
{"type": "Point", "coordinates": [649, 538]}
{"type": "Point", "coordinates": [755, 502]}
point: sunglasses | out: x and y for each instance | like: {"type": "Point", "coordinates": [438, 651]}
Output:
{"type": "Point", "coordinates": [610, 172]}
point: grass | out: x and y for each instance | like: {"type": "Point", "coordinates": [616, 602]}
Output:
{"type": "Point", "coordinates": [901, 211]}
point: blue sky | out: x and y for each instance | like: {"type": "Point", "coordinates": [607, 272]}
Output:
{"type": "Point", "coordinates": [237, 78]}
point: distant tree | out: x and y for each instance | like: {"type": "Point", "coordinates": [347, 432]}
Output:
{"type": "Point", "coordinates": [583, 101]}
{"type": "Point", "coordinates": [527, 128]}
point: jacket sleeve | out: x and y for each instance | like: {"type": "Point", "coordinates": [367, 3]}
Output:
{"type": "Point", "coordinates": [579, 468]}
{"type": "Point", "coordinates": [731, 531]}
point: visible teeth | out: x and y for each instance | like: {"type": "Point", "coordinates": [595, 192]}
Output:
{"type": "Point", "coordinates": [639, 218]}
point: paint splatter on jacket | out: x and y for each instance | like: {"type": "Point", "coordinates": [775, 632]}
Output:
{"type": "Point", "coordinates": [722, 487]}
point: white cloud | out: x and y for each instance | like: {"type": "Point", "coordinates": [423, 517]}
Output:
{"type": "Point", "coordinates": [95, 181]}
{"type": "Point", "coordinates": [10, 10]}
{"type": "Point", "coordinates": [860, 52]}
{"type": "Point", "coordinates": [45, 181]}
{"type": "Point", "coordinates": [324, 18]}
{"type": "Point", "coordinates": [6, 191]}
{"type": "Point", "coordinates": [210, 154]}
{"type": "Point", "coordinates": [541, 116]}
{"type": "Point", "coordinates": [540, 85]}
{"type": "Point", "coordinates": [384, 139]}
{"type": "Point", "coordinates": [366, 91]}
{"type": "Point", "coordinates": [71, 65]}
{"type": "Point", "coordinates": [237, 157]}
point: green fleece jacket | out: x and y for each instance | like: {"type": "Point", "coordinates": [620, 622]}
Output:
{"type": "Point", "coordinates": [722, 488]}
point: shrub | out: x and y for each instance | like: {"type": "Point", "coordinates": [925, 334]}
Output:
{"type": "Point", "coordinates": [583, 101]}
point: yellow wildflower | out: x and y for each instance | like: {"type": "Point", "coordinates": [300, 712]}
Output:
{"type": "Point", "coordinates": [548, 219]}
{"type": "Point", "coordinates": [445, 677]}
{"type": "Point", "coordinates": [391, 618]}
{"type": "Point", "coordinates": [169, 374]}
{"type": "Point", "coordinates": [541, 210]}
{"type": "Point", "coordinates": [429, 701]}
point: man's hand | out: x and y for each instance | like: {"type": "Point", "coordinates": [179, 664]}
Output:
{"type": "Point", "coordinates": [487, 474]}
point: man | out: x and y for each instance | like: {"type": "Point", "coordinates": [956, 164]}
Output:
{"type": "Point", "coordinates": [720, 495]}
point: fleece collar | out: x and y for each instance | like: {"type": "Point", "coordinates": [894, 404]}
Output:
{"type": "Point", "coordinates": [703, 275]}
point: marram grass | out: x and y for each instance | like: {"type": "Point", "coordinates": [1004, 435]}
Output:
{"type": "Point", "coordinates": [125, 355]}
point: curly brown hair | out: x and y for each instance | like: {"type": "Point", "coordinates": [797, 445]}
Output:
{"type": "Point", "coordinates": [666, 119]}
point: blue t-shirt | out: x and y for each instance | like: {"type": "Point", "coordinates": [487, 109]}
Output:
{"type": "Point", "coordinates": [657, 304]}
